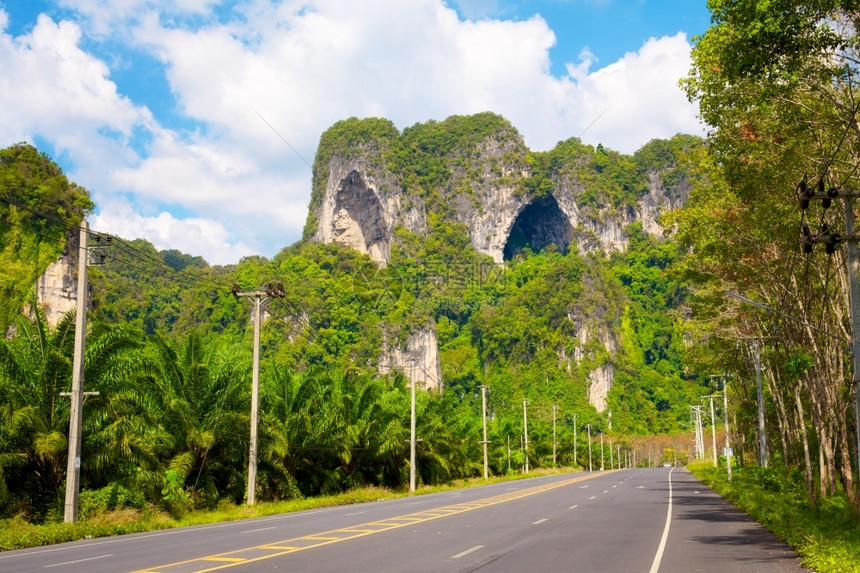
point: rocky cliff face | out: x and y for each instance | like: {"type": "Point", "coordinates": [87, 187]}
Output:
{"type": "Point", "coordinates": [359, 202]}
{"type": "Point", "coordinates": [57, 288]}
{"type": "Point", "coordinates": [419, 361]}
{"type": "Point", "coordinates": [370, 180]}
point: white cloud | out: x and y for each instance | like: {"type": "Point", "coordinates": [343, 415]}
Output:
{"type": "Point", "coordinates": [200, 237]}
{"type": "Point", "coordinates": [234, 186]}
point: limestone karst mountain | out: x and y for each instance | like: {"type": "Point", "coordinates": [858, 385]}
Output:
{"type": "Point", "coordinates": [370, 180]}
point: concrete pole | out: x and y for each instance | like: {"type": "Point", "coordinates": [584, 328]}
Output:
{"type": "Point", "coordinates": [601, 451]}
{"type": "Point", "coordinates": [484, 410]}
{"type": "Point", "coordinates": [412, 430]}
{"type": "Point", "coordinates": [611, 460]}
{"type": "Point", "coordinates": [854, 295]}
{"type": "Point", "coordinates": [554, 408]}
{"type": "Point", "coordinates": [574, 440]}
{"type": "Point", "coordinates": [762, 437]}
{"type": "Point", "coordinates": [255, 403]}
{"type": "Point", "coordinates": [526, 434]}
{"type": "Point", "coordinates": [73, 467]}
{"type": "Point", "coordinates": [713, 431]}
{"type": "Point", "coordinates": [726, 426]}
{"type": "Point", "coordinates": [589, 446]}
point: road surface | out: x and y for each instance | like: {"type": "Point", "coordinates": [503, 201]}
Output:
{"type": "Point", "coordinates": [649, 520]}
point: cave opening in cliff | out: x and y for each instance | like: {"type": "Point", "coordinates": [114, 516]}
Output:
{"type": "Point", "coordinates": [540, 224]}
{"type": "Point", "coordinates": [359, 218]}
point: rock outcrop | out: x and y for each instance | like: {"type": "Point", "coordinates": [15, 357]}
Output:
{"type": "Point", "coordinates": [370, 180]}
{"type": "Point", "coordinates": [419, 361]}
{"type": "Point", "coordinates": [57, 288]}
{"type": "Point", "coordinates": [489, 188]}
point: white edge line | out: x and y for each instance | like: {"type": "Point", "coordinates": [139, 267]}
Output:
{"type": "Point", "coordinates": [655, 566]}
{"type": "Point", "coordinates": [78, 561]}
{"type": "Point", "coordinates": [256, 530]}
{"type": "Point", "coordinates": [466, 552]}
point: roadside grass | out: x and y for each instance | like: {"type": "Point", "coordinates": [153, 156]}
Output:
{"type": "Point", "coordinates": [17, 533]}
{"type": "Point", "coordinates": [826, 536]}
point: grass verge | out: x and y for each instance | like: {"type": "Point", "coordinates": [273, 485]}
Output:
{"type": "Point", "coordinates": [19, 534]}
{"type": "Point", "coordinates": [826, 536]}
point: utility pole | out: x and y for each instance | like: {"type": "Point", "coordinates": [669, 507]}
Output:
{"type": "Point", "coordinates": [589, 446]}
{"type": "Point", "coordinates": [854, 295]}
{"type": "Point", "coordinates": [73, 467]}
{"type": "Point", "coordinates": [830, 240]}
{"type": "Point", "coordinates": [271, 291]}
{"type": "Point", "coordinates": [484, 410]}
{"type": "Point", "coordinates": [601, 451]}
{"type": "Point", "coordinates": [762, 436]}
{"type": "Point", "coordinates": [526, 430]}
{"type": "Point", "coordinates": [554, 408]}
{"type": "Point", "coordinates": [574, 439]}
{"type": "Point", "coordinates": [412, 430]}
{"type": "Point", "coordinates": [726, 425]}
{"type": "Point", "coordinates": [700, 442]}
{"type": "Point", "coordinates": [713, 430]}
{"type": "Point", "coordinates": [611, 461]}
{"type": "Point", "coordinates": [713, 427]}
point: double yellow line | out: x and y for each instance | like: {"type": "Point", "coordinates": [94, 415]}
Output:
{"type": "Point", "coordinates": [279, 548]}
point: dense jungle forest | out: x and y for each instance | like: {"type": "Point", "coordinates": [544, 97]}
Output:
{"type": "Point", "coordinates": [169, 352]}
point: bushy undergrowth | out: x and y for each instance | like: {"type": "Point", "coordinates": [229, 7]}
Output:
{"type": "Point", "coordinates": [826, 535]}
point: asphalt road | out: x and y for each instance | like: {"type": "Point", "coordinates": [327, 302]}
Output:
{"type": "Point", "coordinates": [645, 520]}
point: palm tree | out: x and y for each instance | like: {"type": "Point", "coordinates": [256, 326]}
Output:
{"type": "Point", "coordinates": [35, 367]}
{"type": "Point", "coordinates": [201, 401]}
{"type": "Point", "coordinates": [121, 425]}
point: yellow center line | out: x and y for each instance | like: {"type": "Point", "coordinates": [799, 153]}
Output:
{"type": "Point", "coordinates": [279, 548]}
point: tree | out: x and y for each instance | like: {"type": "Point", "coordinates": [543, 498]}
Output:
{"type": "Point", "coordinates": [35, 369]}
{"type": "Point", "coordinates": [202, 403]}
{"type": "Point", "coordinates": [777, 82]}
{"type": "Point", "coordinates": [39, 209]}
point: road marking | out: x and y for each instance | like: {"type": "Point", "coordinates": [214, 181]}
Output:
{"type": "Point", "coordinates": [255, 530]}
{"type": "Point", "coordinates": [283, 547]}
{"type": "Point", "coordinates": [466, 552]}
{"type": "Point", "coordinates": [606, 491]}
{"type": "Point", "coordinates": [539, 521]}
{"type": "Point", "coordinates": [355, 513]}
{"type": "Point", "coordinates": [592, 497]}
{"type": "Point", "coordinates": [78, 561]}
{"type": "Point", "coordinates": [573, 507]}
{"type": "Point", "coordinates": [583, 486]}
{"type": "Point", "coordinates": [655, 566]}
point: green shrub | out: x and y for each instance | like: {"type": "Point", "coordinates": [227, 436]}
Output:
{"type": "Point", "coordinates": [110, 498]}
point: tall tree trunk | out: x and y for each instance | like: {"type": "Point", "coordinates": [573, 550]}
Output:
{"type": "Point", "coordinates": [808, 475]}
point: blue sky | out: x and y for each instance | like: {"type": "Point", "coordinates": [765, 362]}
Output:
{"type": "Point", "coordinates": [191, 122]}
